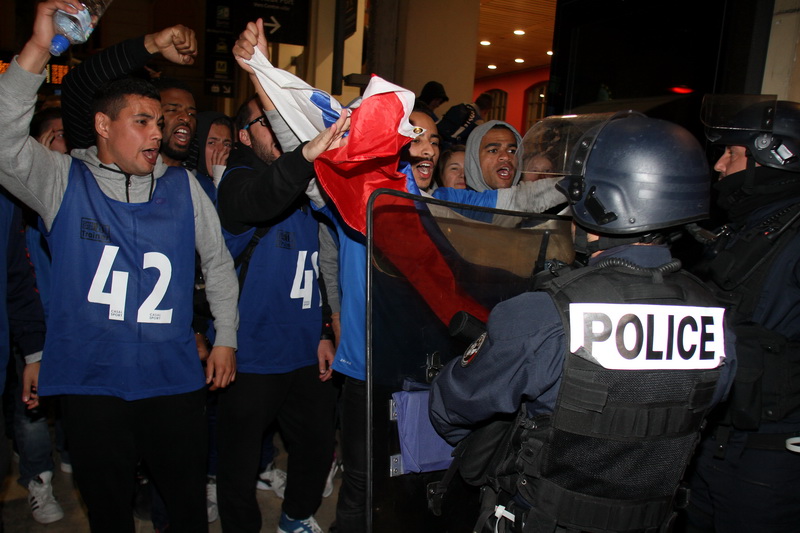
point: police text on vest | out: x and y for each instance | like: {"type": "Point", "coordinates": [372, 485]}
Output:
{"type": "Point", "coordinates": [648, 337]}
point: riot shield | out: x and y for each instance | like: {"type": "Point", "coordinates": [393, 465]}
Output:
{"type": "Point", "coordinates": [434, 273]}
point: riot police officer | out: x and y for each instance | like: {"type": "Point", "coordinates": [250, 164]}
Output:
{"type": "Point", "coordinates": [746, 476]}
{"type": "Point", "coordinates": [611, 367]}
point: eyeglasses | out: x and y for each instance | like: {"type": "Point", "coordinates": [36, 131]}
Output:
{"type": "Point", "coordinates": [261, 120]}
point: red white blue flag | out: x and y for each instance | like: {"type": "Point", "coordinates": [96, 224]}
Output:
{"type": "Point", "coordinates": [379, 128]}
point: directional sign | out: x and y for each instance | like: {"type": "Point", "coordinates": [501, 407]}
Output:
{"type": "Point", "coordinates": [285, 21]}
{"type": "Point", "coordinates": [220, 67]}
{"type": "Point", "coordinates": [272, 26]}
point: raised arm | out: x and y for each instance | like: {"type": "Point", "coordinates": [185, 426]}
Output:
{"type": "Point", "coordinates": [252, 38]}
{"type": "Point", "coordinates": [176, 43]}
{"type": "Point", "coordinates": [28, 170]}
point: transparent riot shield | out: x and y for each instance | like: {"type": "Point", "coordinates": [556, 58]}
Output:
{"type": "Point", "coordinates": [435, 271]}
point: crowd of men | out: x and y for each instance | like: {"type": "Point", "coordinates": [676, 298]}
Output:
{"type": "Point", "coordinates": [200, 287]}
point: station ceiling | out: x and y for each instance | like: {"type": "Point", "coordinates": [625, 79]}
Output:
{"type": "Point", "coordinates": [497, 23]}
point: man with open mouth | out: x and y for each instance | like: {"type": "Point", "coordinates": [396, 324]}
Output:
{"type": "Point", "coordinates": [491, 160]}
{"type": "Point", "coordinates": [423, 152]}
{"type": "Point", "coordinates": [180, 121]}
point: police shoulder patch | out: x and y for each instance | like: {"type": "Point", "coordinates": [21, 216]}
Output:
{"type": "Point", "coordinates": [472, 351]}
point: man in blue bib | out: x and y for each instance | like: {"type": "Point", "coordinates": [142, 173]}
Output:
{"type": "Point", "coordinates": [123, 229]}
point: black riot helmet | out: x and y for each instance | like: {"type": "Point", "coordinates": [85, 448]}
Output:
{"type": "Point", "coordinates": [629, 174]}
{"type": "Point", "coordinates": [769, 129]}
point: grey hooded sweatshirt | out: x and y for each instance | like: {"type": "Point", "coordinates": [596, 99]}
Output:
{"type": "Point", "coordinates": [534, 197]}
{"type": "Point", "coordinates": [38, 177]}
{"type": "Point", "coordinates": [472, 163]}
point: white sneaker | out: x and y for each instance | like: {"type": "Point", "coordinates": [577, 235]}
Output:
{"type": "Point", "coordinates": [211, 499]}
{"type": "Point", "coordinates": [272, 479]}
{"type": "Point", "coordinates": [335, 465]}
{"type": "Point", "coordinates": [44, 507]}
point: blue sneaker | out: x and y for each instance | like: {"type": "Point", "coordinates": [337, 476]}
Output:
{"type": "Point", "coordinates": [307, 525]}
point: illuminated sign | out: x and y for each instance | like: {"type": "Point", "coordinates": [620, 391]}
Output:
{"type": "Point", "coordinates": [54, 74]}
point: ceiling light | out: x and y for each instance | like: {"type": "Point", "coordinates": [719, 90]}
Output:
{"type": "Point", "coordinates": [485, 43]}
{"type": "Point", "coordinates": [491, 67]}
{"type": "Point", "coordinates": [519, 32]}
{"type": "Point", "coordinates": [549, 52]}
{"type": "Point", "coordinates": [519, 60]}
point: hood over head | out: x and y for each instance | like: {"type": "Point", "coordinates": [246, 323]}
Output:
{"type": "Point", "coordinates": [472, 163]}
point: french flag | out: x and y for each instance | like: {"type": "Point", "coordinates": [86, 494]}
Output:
{"type": "Point", "coordinates": [379, 128]}
{"type": "Point", "coordinates": [306, 110]}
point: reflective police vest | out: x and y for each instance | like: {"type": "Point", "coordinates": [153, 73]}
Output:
{"type": "Point", "coordinates": [644, 350]}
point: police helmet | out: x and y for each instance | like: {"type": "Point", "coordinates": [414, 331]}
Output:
{"type": "Point", "coordinates": [631, 174]}
{"type": "Point", "coordinates": [768, 128]}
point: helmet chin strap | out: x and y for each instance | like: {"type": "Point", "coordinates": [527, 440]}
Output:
{"type": "Point", "coordinates": [750, 175]}
{"type": "Point", "coordinates": [582, 244]}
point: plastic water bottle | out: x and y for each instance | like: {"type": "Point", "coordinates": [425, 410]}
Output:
{"type": "Point", "coordinates": [76, 29]}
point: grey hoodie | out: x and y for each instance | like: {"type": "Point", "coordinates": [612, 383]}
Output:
{"type": "Point", "coordinates": [535, 197]}
{"type": "Point", "coordinates": [472, 163]}
{"type": "Point", "coordinates": [38, 177]}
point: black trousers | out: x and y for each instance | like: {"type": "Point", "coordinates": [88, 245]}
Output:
{"type": "Point", "coordinates": [750, 490]}
{"type": "Point", "coordinates": [351, 506]}
{"type": "Point", "coordinates": [108, 436]}
{"type": "Point", "coordinates": [305, 409]}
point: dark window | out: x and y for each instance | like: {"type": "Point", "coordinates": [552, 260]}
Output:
{"type": "Point", "coordinates": [499, 99]}
{"type": "Point", "coordinates": [534, 104]}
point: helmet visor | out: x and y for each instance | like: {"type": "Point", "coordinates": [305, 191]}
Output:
{"type": "Point", "coordinates": [724, 115]}
{"type": "Point", "coordinates": [550, 145]}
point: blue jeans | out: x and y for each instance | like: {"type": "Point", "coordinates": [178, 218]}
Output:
{"type": "Point", "coordinates": [5, 452]}
{"type": "Point", "coordinates": [32, 436]}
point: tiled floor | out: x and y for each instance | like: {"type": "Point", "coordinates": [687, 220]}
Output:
{"type": "Point", "coordinates": [17, 518]}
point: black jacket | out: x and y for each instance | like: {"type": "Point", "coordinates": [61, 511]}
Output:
{"type": "Point", "coordinates": [253, 192]}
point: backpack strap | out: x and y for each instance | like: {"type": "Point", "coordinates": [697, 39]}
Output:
{"type": "Point", "coordinates": [243, 259]}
